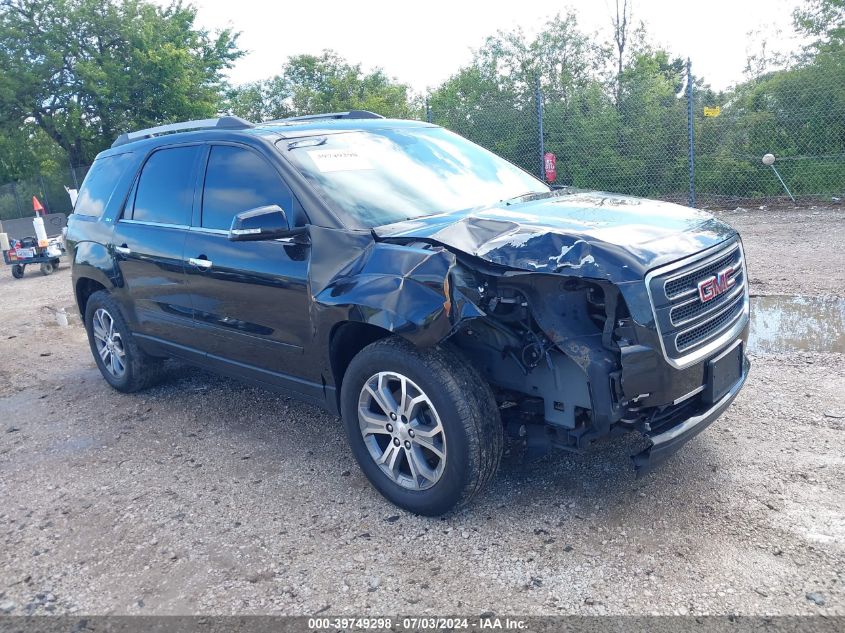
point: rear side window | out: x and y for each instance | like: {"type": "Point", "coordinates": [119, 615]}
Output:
{"type": "Point", "coordinates": [238, 180]}
{"type": "Point", "coordinates": [100, 183]}
{"type": "Point", "coordinates": [165, 190]}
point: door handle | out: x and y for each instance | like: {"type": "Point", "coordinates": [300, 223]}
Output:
{"type": "Point", "coordinates": [122, 250]}
{"type": "Point", "coordinates": [200, 262]}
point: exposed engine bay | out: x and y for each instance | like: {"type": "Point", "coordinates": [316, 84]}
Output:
{"type": "Point", "coordinates": [563, 326]}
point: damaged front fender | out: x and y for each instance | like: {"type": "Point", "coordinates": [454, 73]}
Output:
{"type": "Point", "coordinates": [404, 289]}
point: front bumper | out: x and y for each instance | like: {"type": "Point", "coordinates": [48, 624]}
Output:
{"type": "Point", "coordinates": [671, 436]}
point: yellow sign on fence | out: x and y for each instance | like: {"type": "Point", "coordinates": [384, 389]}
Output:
{"type": "Point", "coordinates": [712, 112]}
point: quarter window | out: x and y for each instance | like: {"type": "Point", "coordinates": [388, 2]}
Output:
{"type": "Point", "coordinates": [166, 187]}
{"type": "Point", "coordinates": [100, 183]}
{"type": "Point", "coordinates": [238, 180]}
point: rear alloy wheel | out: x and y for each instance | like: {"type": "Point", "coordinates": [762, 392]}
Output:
{"type": "Point", "coordinates": [109, 343]}
{"type": "Point", "coordinates": [423, 424]}
{"type": "Point", "coordinates": [123, 364]}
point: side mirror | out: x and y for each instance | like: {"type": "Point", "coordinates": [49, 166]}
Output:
{"type": "Point", "coordinates": [262, 223]}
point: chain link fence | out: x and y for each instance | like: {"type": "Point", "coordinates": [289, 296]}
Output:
{"type": "Point", "coordinates": [619, 147]}
{"type": "Point", "coordinates": [507, 127]}
{"type": "Point", "coordinates": [636, 138]}
{"type": "Point", "coordinates": [16, 197]}
{"type": "Point", "coordinates": [797, 115]}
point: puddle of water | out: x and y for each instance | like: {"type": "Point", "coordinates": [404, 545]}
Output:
{"type": "Point", "coordinates": [797, 324]}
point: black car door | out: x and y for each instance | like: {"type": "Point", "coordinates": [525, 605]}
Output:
{"type": "Point", "coordinates": [148, 243]}
{"type": "Point", "coordinates": [250, 299]}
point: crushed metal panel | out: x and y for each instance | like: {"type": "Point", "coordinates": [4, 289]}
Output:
{"type": "Point", "coordinates": [398, 288]}
{"type": "Point", "coordinates": [510, 244]}
{"type": "Point", "coordinates": [588, 234]}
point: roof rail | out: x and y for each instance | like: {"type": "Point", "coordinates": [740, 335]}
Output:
{"type": "Point", "coordinates": [351, 114]}
{"type": "Point", "coordinates": [222, 123]}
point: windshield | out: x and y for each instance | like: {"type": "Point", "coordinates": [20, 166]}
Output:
{"type": "Point", "coordinates": [384, 176]}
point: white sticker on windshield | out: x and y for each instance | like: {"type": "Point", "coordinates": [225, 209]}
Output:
{"type": "Point", "coordinates": [339, 160]}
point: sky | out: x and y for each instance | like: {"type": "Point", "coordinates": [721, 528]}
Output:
{"type": "Point", "coordinates": [424, 42]}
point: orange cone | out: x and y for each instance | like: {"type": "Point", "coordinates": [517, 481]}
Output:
{"type": "Point", "coordinates": [36, 206]}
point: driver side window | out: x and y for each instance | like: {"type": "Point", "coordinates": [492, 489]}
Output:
{"type": "Point", "coordinates": [237, 180]}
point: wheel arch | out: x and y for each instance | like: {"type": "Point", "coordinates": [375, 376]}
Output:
{"type": "Point", "coordinates": [379, 289]}
{"type": "Point", "coordinates": [345, 341]}
{"type": "Point", "coordinates": [93, 269]}
{"type": "Point", "coordinates": [84, 287]}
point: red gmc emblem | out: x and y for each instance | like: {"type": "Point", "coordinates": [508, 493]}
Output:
{"type": "Point", "coordinates": [715, 285]}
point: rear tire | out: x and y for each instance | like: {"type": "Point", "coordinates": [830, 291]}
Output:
{"type": "Point", "coordinates": [18, 270]}
{"type": "Point", "coordinates": [123, 364]}
{"type": "Point", "coordinates": [47, 268]}
{"type": "Point", "coordinates": [443, 447]}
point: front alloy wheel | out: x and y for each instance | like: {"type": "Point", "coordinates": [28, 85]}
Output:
{"type": "Point", "coordinates": [422, 423]}
{"type": "Point", "coordinates": [401, 430]}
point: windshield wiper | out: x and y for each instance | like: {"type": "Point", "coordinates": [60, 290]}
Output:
{"type": "Point", "coordinates": [527, 194]}
{"type": "Point", "coordinates": [307, 142]}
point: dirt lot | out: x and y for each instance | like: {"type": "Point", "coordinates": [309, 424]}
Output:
{"type": "Point", "coordinates": [793, 251]}
{"type": "Point", "coordinates": [202, 495]}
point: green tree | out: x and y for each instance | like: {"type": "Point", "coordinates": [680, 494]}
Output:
{"type": "Point", "coordinates": [85, 70]}
{"type": "Point", "coordinates": [492, 101]}
{"type": "Point", "coordinates": [20, 149]}
{"type": "Point", "coordinates": [797, 114]}
{"type": "Point", "coordinates": [823, 20]}
{"type": "Point", "coordinates": [311, 84]}
{"type": "Point", "coordinates": [494, 114]}
{"type": "Point", "coordinates": [621, 24]}
{"type": "Point", "coordinates": [625, 135]}
{"type": "Point", "coordinates": [561, 55]}
{"type": "Point", "coordinates": [652, 140]}
{"type": "Point", "coordinates": [260, 100]}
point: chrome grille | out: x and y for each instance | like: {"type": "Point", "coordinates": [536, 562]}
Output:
{"type": "Point", "coordinates": [687, 283]}
{"type": "Point", "coordinates": [690, 337]}
{"type": "Point", "coordinates": [689, 327]}
{"type": "Point", "coordinates": [691, 309]}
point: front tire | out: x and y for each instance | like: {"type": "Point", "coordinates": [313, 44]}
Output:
{"type": "Point", "coordinates": [123, 364]}
{"type": "Point", "coordinates": [422, 424]}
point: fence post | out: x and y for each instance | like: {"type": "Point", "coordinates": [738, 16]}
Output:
{"type": "Point", "coordinates": [44, 193]}
{"type": "Point", "coordinates": [691, 135]}
{"type": "Point", "coordinates": [17, 199]}
{"type": "Point", "coordinates": [538, 97]}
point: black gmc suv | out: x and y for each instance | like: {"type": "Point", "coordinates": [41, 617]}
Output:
{"type": "Point", "coordinates": [428, 291]}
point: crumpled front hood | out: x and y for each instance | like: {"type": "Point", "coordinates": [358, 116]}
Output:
{"type": "Point", "coordinates": [587, 234]}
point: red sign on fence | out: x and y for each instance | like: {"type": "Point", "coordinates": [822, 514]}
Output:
{"type": "Point", "coordinates": [550, 164]}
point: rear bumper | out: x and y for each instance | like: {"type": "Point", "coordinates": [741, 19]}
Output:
{"type": "Point", "coordinates": [668, 440]}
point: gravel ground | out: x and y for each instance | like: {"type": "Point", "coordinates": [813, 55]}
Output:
{"type": "Point", "coordinates": [793, 251]}
{"type": "Point", "coordinates": [205, 496]}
